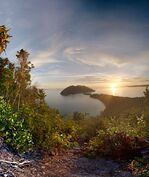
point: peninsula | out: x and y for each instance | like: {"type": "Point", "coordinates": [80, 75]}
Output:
{"type": "Point", "coordinates": [76, 90]}
{"type": "Point", "coordinates": [117, 105]}
{"type": "Point", "coordinates": [114, 105]}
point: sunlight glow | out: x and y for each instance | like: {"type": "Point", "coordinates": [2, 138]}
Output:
{"type": "Point", "coordinates": [114, 88]}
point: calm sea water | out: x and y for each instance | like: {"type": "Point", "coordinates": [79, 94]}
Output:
{"type": "Point", "coordinates": [83, 103]}
{"type": "Point", "coordinates": [123, 91]}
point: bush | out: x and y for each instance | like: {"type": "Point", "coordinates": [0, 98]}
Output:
{"type": "Point", "coordinates": [89, 127]}
{"type": "Point", "coordinates": [13, 129]}
{"type": "Point", "coordinates": [96, 145]}
{"type": "Point", "coordinates": [131, 125]}
{"type": "Point", "coordinates": [117, 146]}
{"type": "Point", "coordinates": [119, 138]}
{"type": "Point", "coordinates": [48, 128]}
{"type": "Point", "coordinates": [140, 167]}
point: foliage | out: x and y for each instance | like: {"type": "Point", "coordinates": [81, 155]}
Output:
{"type": "Point", "coordinates": [89, 127]}
{"type": "Point", "coordinates": [22, 76]}
{"type": "Point", "coordinates": [13, 129]}
{"type": "Point", "coordinates": [48, 128]}
{"type": "Point", "coordinates": [119, 138]}
{"type": "Point", "coordinates": [118, 146]}
{"type": "Point", "coordinates": [25, 117]}
{"type": "Point", "coordinates": [76, 90]}
{"type": "Point", "coordinates": [4, 38]}
{"type": "Point", "coordinates": [132, 125]}
{"type": "Point", "coordinates": [96, 145]}
{"type": "Point", "coordinates": [140, 167]}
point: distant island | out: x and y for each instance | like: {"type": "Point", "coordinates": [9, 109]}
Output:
{"type": "Point", "coordinates": [114, 105]}
{"type": "Point", "coordinates": [76, 90]}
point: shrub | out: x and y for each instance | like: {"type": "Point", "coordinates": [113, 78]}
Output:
{"type": "Point", "coordinates": [89, 128]}
{"type": "Point", "coordinates": [140, 167]}
{"type": "Point", "coordinates": [96, 145]}
{"type": "Point", "coordinates": [117, 146]}
{"type": "Point", "coordinates": [48, 128]}
{"type": "Point", "coordinates": [13, 130]}
{"type": "Point", "coordinates": [131, 125]}
{"type": "Point", "coordinates": [119, 138]}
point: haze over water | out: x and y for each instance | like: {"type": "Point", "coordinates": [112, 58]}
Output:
{"type": "Point", "coordinates": [83, 103]}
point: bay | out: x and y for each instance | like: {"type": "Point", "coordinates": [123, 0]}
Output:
{"type": "Point", "coordinates": [83, 103]}
{"type": "Point", "coordinates": [73, 103]}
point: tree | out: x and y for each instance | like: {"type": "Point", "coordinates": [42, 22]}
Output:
{"type": "Point", "coordinates": [6, 78]}
{"type": "Point", "coordinates": [4, 38]}
{"type": "Point", "coordinates": [22, 76]}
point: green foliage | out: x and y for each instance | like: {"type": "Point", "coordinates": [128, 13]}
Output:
{"type": "Point", "coordinates": [96, 145]}
{"type": "Point", "coordinates": [119, 138]}
{"type": "Point", "coordinates": [13, 129]}
{"type": "Point", "coordinates": [78, 116]}
{"type": "Point", "coordinates": [48, 128]}
{"type": "Point", "coordinates": [89, 127]}
{"type": "Point", "coordinates": [131, 125]}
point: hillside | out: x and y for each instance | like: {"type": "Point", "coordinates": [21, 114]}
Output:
{"type": "Point", "coordinates": [116, 105]}
{"type": "Point", "coordinates": [76, 90]}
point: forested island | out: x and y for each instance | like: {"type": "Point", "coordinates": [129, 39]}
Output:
{"type": "Point", "coordinates": [114, 105]}
{"type": "Point", "coordinates": [76, 90]}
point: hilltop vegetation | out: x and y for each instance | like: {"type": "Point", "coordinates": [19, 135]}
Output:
{"type": "Point", "coordinates": [76, 89]}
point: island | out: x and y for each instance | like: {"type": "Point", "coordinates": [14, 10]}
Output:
{"type": "Point", "coordinates": [114, 105]}
{"type": "Point", "coordinates": [76, 90]}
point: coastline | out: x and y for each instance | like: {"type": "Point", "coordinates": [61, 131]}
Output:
{"type": "Point", "coordinates": [117, 105]}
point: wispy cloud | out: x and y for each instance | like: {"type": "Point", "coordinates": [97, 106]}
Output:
{"type": "Point", "coordinates": [80, 41]}
{"type": "Point", "coordinates": [93, 57]}
{"type": "Point", "coordinates": [44, 58]}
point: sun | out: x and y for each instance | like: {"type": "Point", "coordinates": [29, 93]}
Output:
{"type": "Point", "coordinates": [114, 88]}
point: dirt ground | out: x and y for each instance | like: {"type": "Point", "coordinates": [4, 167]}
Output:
{"type": "Point", "coordinates": [69, 164]}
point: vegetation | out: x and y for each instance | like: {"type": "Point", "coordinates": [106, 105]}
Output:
{"type": "Point", "coordinates": [4, 38]}
{"type": "Point", "coordinates": [119, 138]}
{"type": "Point", "coordinates": [76, 89]}
{"type": "Point", "coordinates": [116, 105]}
{"type": "Point", "coordinates": [26, 121]}
{"type": "Point", "coordinates": [13, 129]}
{"type": "Point", "coordinates": [139, 167]}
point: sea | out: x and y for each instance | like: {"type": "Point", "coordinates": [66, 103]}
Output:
{"type": "Point", "coordinates": [67, 105]}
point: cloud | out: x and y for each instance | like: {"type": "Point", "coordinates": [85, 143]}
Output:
{"type": "Point", "coordinates": [44, 58]}
{"type": "Point", "coordinates": [93, 57]}
{"type": "Point", "coordinates": [76, 42]}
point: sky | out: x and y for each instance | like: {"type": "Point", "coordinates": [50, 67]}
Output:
{"type": "Point", "coordinates": [88, 42]}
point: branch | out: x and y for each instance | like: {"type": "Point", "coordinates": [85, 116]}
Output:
{"type": "Point", "coordinates": [18, 164]}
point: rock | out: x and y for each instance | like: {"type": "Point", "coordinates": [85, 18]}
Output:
{"type": "Point", "coordinates": [145, 153]}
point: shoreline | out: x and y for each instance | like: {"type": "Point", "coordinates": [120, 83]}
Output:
{"type": "Point", "coordinates": [117, 105]}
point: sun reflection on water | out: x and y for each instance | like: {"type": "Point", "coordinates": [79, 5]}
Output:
{"type": "Point", "coordinates": [114, 88]}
